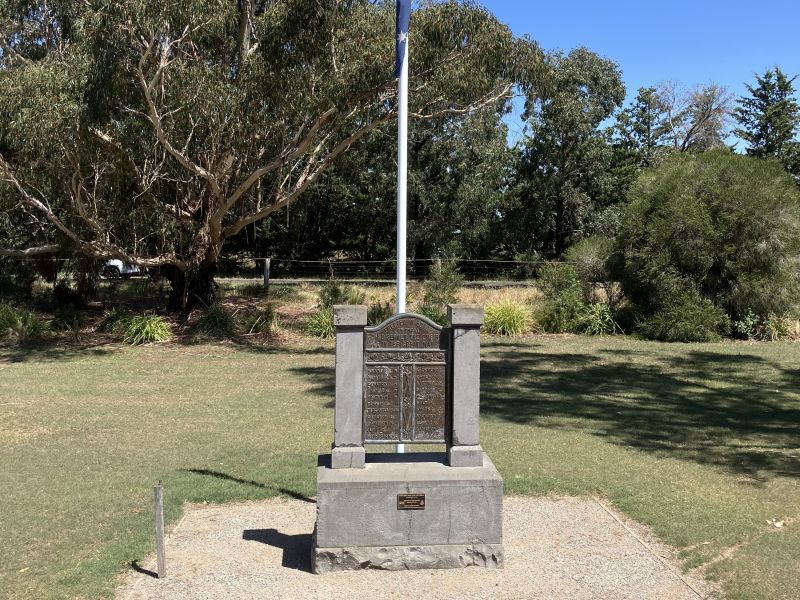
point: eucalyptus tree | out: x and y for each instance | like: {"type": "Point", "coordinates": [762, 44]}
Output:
{"type": "Point", "coordinates": [564, 157]}
{"type": "Point", "coordinates": [696, 119]}
{"type": "Point", "coordinates": [154, 131]}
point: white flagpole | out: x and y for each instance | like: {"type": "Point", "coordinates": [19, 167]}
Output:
{"type": "Point", "coordinates": [402, 180]}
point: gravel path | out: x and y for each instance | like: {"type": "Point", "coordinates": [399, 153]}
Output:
{"type": "Point", "coordinates": [555, 548]}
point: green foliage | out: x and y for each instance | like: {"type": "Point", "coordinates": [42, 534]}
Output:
{"type": "Point", "coordinates": [712, 226]}
{"type": "Point", "coordinates": [114, 320]}
{"type": "Point", "coordinates": [20, 325]}
{"type": "Point", "coordinates": [564, 160]}
{"type": "Point", "coordinates": [379, 312]}
{"type": "Point", "coordinates": [263, 321]}
{"type": "Point", "coordinates": [596, 319]}
{"type": "Point", "coordinates": [147, 329]}
{"type": "Point", "coordinates": [277, 89]}
{"type": "Point", "coordinates": [769, 119]}
{"type": "Point", "coordinates": [332, 292]}
{"type": "Point", "coordinates": [775, 328]}
{"type": "Point", "coordinates": [747, 326]}
{"type": "Point", "coordinates": [16, 277]}
{"type": "Point", "coordinates": [320, 324]}
{"type": "Point", "coordinates": [68, 318]}
{"type": "Point", "coordinates": [589, 258]}
{"type": "Point", "coordinates": [443, 283]}
{"type": "Point", "coordinates": [686, 317]}
{"type": "Point", "coordinates": [434, 312]}
{"type": "Point", "coordinates": [507, 317]}
{"type": "Point", "coordinates": [563, 295]}
{"type": "Point", "coordinates": [216, 322]}
{"type": "Point", "coordinates": [8, 318]}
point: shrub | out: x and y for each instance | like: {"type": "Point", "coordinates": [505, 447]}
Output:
{"type": "Point", "coordinates": [27, 326]}
{"type": "Point", "coordinates": [147, 329]}
{"type": "Point", "coordinates": [264, 321]}
{"type": "Point", "coordinates": [589, 259]}
{"type": "Point", "coordinates": [563, 302]}
{"type": "Point", "coordinates": [687, 317]}
{"type": "Point", "coordinates": [20, 325]}
{"type": "Point", "coordinates": [67, 318]}
{"type": "Point", "coordinates": [556, 278]}
{"type": "Point", "coordinates": [320, 324]}
{"type": "Point", "coordinates": [719, 226]}
{"type": "Point", "coordinates": [434, 312]}
{"type": "Point", "coordinates": [507, 317]}
{"type": "Point", "coordinates": [8, 318]}
{"type": "Point", "coordinates": [747, 327]}
{"type": "Point", "coordinates": [775, 328]}
{"type": "Point", "coordinates": [215, 322]}
{"type": "Point", "coordinates": [596, 319]}
{"type": "Point", "coordinates": [332, 292]}
{"type": "Point", "coordinates": [378, 313]}
{"type": "Point", "coordinates": [443, 283]}
{"type": "Point", "coordinates": [115, 320]}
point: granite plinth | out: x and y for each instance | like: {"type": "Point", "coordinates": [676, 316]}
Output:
{"type": "Point", "coordinates": [360, 525]}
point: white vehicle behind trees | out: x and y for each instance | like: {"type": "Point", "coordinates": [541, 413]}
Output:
{"type": "Point", "coordinates": [116, 269]}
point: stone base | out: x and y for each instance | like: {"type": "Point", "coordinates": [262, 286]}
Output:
{"type": "Point", "coordinates": [366, 517]}
{"type": "Point", "coordinates": [402, 558]}
{"type": "Point", "coordinates": [347, 458]}
{"type": "Point", "coordinates": [465, 456]}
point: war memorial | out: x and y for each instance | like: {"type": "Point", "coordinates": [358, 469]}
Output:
{"type": "Point", "coordinates": [407, 381]}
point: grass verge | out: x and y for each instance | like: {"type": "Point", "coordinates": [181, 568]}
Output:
{"type": "Point", "coordinates": [697, 441]}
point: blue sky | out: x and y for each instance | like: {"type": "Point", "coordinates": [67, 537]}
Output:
{"type": "Point", "coordinates": [694, 42]}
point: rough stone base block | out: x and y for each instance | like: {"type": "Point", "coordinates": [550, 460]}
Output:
{"type": "Point", "coordinates": [401, 558]}
{"type": "Point", "coordinates": [408, 511]}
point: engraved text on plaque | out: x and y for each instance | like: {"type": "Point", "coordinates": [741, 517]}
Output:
{"type": "Point", "coordinates": [405, 383]}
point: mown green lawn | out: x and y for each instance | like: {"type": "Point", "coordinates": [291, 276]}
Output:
{"type": "Point", "coordinates": [698, 441]}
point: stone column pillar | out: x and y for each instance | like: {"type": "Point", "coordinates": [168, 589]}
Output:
{"type": "Point", "coordinates": [465, 322]}
{"type": "Point", "coordinates": [348, 437]}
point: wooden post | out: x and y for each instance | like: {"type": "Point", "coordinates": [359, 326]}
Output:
{"type": "Point", "coordinates": [266, 275]}
{"type": "Point", "coordinates": [161, 559]}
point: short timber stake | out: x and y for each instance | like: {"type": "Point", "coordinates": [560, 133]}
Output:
{"type": "Point", "coordinates": [161, 559]}
{"type": "Point", "coordinates": [266, 274]}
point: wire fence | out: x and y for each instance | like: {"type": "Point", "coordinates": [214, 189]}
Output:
{"type": "Point", "coordinates": [366, 270]}
{"type": "Point", "coordinates": [385, 270]}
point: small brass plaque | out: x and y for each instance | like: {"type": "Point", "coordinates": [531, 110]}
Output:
{"type": "Point", "coordinates": [410, 501]}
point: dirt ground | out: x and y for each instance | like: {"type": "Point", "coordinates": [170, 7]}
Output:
{"type": "Point", "coordinates": [554, 547]}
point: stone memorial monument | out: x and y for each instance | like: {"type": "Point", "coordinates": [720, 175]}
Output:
{"type": "Point", "coordinates": [407, 381]}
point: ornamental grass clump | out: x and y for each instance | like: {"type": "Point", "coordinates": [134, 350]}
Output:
{"type": "Point", "coordinates": [332, 292]}
{"type": "Point", "coordinates": [115, 320]}
{"type": "Point", "coordinates": [216, 322]}
{"type": "Point", "coordinates": [596, 319]}
{"type": "Point", "coordinates": [507, 317]}
{"type": "Point", "coordinates": [147, 329]}
{"type": "Point", "coordinates": [320, 324]}
{"type": "Point", "coordinates": [8, 318]}
{"type": "Point", "coordinates": [263, 321]}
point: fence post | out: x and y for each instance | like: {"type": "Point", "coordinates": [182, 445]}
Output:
{"type": "Point", "coordinates": [266, 274]}
{"type": "Point", "coordinates": [161, 559]}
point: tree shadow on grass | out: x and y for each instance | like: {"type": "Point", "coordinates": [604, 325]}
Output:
{"type": "Point", "coordinates": [323, 382]}
{"type": "Point", "coordinates": [226, 477]}
{"type": "Point", "coordinates": [47, 351]}
{"type": "Point", "coordinates": [739, 412]}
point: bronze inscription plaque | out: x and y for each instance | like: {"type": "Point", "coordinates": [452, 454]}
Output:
{"type": "Point", "coordinates": [405, 383]}
{"type": "Point", "coordinates": [410, 501]}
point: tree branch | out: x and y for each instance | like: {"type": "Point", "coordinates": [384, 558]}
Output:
{"type": "Point", "coordinates": [30, 252]}
{"type": "Point", "coordinates": [92, 249]}
{"type": "Point", "coordinates": [155, 119]}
